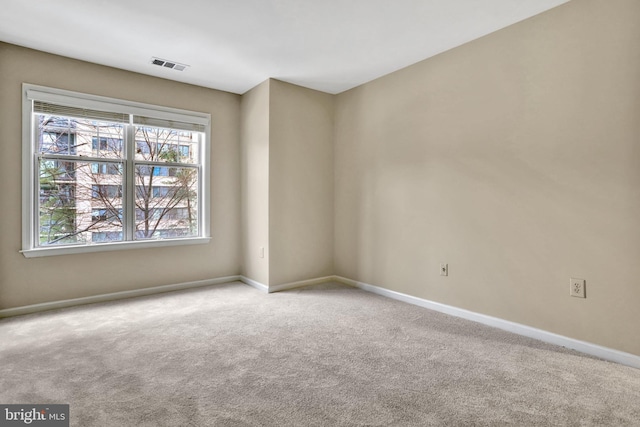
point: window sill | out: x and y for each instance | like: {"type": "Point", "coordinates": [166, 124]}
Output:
{"type": "Point", "coordinates": [117, 246]}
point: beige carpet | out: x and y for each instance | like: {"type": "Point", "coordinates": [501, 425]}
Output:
{"type": "Point", "coordinates": [327, 355]}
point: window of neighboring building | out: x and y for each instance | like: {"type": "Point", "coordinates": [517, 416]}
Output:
{"type": "Point", "coordinates": [105, 174]}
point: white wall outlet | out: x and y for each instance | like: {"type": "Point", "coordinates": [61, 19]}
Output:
{"type": "Point", "coordinates": [261, 252]}
{"type": "Point", "coordinates": [577, 288]}
{"type": "Point", "coordinates": [444, 269]}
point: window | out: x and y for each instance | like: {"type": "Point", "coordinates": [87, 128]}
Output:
{"type": "Point", "coordinates": [106, 174]}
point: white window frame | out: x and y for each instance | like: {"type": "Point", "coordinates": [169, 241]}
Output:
{"type": "Point", "coordinates": [32, 92]}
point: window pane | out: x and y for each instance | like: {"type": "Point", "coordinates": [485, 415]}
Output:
{"type": "Point", "coordinates": [76, 202]}
{"type": "Point", "coordinates": [101, 139]}
{"type": "Point", "coordinates": [81, 137]}
{"type": "Point", "coordinates": [167, 145]}
{"type": "Point", "coordinates": [166, 205]}
{"type": "Point", "coordinates": [56, 135]}
{"type": "Point", "coordinates": [106, 236]}
{"type": "Point", "coordinates": [106, 168]}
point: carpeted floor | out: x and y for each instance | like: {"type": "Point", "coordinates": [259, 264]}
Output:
{"type": "Point", "coordinates": [327, 355]}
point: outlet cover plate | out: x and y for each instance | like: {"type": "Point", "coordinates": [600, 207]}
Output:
{"type": "Point", "coordinates": [444, 269]}
{"type": "Point", "coordinates": [577, 288]}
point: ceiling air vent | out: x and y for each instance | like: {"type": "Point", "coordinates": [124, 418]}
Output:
{"type": "Point", "coordinates": [168, 64]}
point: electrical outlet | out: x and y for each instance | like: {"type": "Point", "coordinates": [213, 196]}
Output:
{"type": "Point", "coordinates": [444, 269]}
{"type": "Point", "coordinates": [577, 288]}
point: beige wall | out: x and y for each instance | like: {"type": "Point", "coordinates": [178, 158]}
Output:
{"type": "Point", "coordinates": [28, 281]}
{"type": "Point", "coordinates": [515, 159]}
{"type": "Point", "coordinates": [255, 183]}
{"type": "Point", "coordinates": [300, 183]}
{"type": "Point", "coordinates": [287, 183]}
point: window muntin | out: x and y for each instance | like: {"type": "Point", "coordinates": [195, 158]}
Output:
{"type": "Point", "coordinates": [98, 181]}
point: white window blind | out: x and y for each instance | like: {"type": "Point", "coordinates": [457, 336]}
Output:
{"type": "Point", "coordinates": [85, 113]}
{"type": "Point", "coordinates": [82, 105]}
{"type": "Point", "coordinates": [170, 124]}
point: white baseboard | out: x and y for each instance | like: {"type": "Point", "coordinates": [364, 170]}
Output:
{"type": "Point", "coordinates": [285, 286]}
{"type": "Point", "coordinates": [260, 286]}
{"type": "Point", "coordinates": [301, 283]}
{"type": "Point", "coordinates": [605, 353]}
{"type": "Point", "coordinates": [28, 309]}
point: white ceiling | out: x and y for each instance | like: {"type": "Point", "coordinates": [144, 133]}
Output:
{"type": "Point", "coordinates": [233, 45]}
